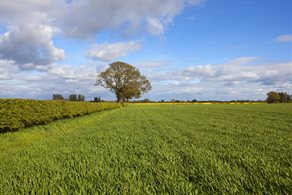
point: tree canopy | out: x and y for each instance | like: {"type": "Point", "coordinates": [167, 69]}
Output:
{"type": "Point", "coordinates": [124, 80]}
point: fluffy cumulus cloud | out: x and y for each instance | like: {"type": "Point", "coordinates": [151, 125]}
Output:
{"type": "Point", "coordinates": [30, 46]}
{"type": "Point", "coordinates": [93, 16]}
{"type": "Point", "coordinates": [284, 38]}
{"type": "Point", "coordinates": [15, 12]}
{"type": "Point", "coordinates": [111, 51]}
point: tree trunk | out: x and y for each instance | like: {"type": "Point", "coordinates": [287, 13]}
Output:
{"type": "Point", "coordinates": [118, 95]}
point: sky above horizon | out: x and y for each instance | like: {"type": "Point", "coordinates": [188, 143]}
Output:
{"type": "Point", "coordinates": [188, 49]}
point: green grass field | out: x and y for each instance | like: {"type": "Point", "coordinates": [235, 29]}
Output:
{"type": "Point", "coordinates": [176, 149]}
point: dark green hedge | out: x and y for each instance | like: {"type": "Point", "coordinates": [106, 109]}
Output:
{"type": "Point", "coordinates": [19, 113]}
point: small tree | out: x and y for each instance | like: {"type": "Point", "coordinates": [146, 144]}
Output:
{"type": "Point", "coordinates": [145, 100]}
{"type": "Point", "coordinates": [73, 97]}
{"type": "Point", "coordinates": [81, 98]}
{"type": "Point", "coordinates": [124, 80]}
{"type": "Point", "coordinates": [97, 99]}
{"type": "Point", "coordinates": [58, 97]}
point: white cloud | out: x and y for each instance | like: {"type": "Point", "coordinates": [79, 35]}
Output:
{"type": "Point", "coordinates": [111, 51]}
{"type": "Point", "coordinates": [284, 38]}
{"type": "Point", "coordinates": [93, 16]}
{"type": "Point", "coordinates": [16, 12]}
{"type": "Point", "coordinates": [229, 70]}
{"type": "Point", "coordinates": [30, 46]}
{"type": "Point", "coordinates": [84, 19]}
{"type": "Point", "coordinates": [206, 70]}
{"type": "Point", "coordinates": [153, 64]}
{"type": "Point", "coordinates": [239, 70]}
{"type": "Point", "coordinates": [154, 26]}
{"type": "Point", "coordinates": [7, 69]}
{"type": "Point", "coordinates": [68, 72]}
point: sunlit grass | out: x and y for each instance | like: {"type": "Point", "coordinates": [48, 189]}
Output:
{"type": "Point", "coordinates": [190, 103]}
{"type": "Point", "coordinates": [154, 149]}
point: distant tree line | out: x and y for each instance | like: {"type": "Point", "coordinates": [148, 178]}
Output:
{"type": "Point", "coordinates": [97, 99]}
{"type": "Point", "coordinates": [146, 100]}
{"type": "Point", "coordinates": [273, 97]}
{"type": "Point", "coordinates": [278, 97]}
{"type": "Point", "coordinates": [76, 97]}
{"type": "Point", "coordinates": [72, 97]}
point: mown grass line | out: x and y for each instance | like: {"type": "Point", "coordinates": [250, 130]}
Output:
{"type": "Point", "coordinates": [11, 141]}
{"type": "Point", "coordinates": [178, 149]}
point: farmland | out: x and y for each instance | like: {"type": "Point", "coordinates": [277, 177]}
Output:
{"type": "Point", "coordinates": [154, 149]}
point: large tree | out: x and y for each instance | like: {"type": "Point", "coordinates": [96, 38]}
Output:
{"type": "Point", "coordinates": [124, 80]}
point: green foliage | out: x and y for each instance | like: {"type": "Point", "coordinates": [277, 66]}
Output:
{"type": "Point", "coordinates": [97, 99]}
{"type": "Point", "coordinates": [19, 113]}
{"type": "Point", "coordinates": [167, 149]}
{"type": "Point", "coordinates": [194, 100]}
{"type": "Point", "coordinates": [76, 97]}
{"type": "Point", "coordinates": [284, 97]}
{"type": "Point", "coordinates": [275, 97]}
{"type": "Point", "coordinates": [58, 97]}
{"type": "Point", "coordinates": [124, 80]}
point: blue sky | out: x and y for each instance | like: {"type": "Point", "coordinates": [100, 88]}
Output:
{"type": "Point", "coordinates": [188, 49]}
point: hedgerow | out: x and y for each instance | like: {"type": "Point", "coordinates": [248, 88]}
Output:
{"type": "Point", "coordinates": [20, 113]}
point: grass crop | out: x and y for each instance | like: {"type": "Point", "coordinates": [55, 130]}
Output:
{"type": "Point", "coordinates": [176, 149]}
